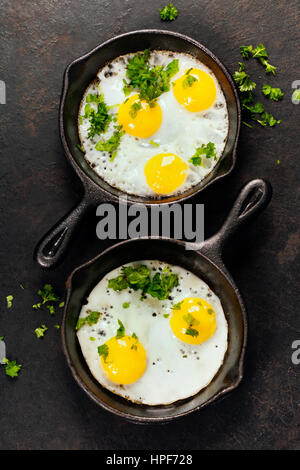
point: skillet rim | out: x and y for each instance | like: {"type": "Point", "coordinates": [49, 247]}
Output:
{"type": "Point", "coordinates": [91, 187]}
{"type": "Point", "coordinates": [161, 419]}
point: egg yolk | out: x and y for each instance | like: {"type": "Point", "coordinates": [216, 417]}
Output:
{"type": "Point", "coordinates": [142, 122]}
{"type": "Point", "coordinates": [195, 90]}
{"type": "Point", "coordinates": [194, 321]}
{"type": "Point", "coordinates": [165, 172]}
{"type": "Point", "coordinates": [126, 360]}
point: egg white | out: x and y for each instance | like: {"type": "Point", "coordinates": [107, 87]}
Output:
{"type": "Point", "coordinates": [181, 131]}
{"type": "Point", "coordinates": [175, 370]}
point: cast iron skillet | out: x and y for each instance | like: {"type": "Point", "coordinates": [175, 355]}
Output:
{"type": "Point", "coordinates": [78, 76]}
{"type": "Point", "coordinates": [205, 260]}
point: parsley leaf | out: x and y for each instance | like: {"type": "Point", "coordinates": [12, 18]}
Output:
{"type": "Point", "coordinates": [177, 306]}
{"type": "Point", "coordinates": [207, 151]}
{"type": "Point", "coordinates": [9, 300]}
{"type": "Point", "coordinates": [103, 351]}
{"type": "Point", "coordinates": [274, 94]}
{"type": "Point", "coordinates": [149, 81]}
{"type": "Point", "coordinates": [126, 304]}
{"type": "Point", "coordinates": [47, 294]}
{"type": "Point", "coordinates": [267, 119]}
{"type": "Point", "coordinates": [189, 79]}
{"type": "Point", "coordinates": [192, 332]}
{"type": "Point", "coordinates": [168, 13]}
{"type": "Point", "coordinates": [91, 319]}
{"type": "Point", "coordinates": [243, 79]}
{"type": "Point", "coordinates": [99, 119]}
{"type": "Point", "coordinates": [12, 368]}
{"type": "Point", "coordinates": [246, 51]}
{"type": "Point", "coordinates": [159, 286]}
{"type": "Point", "coordinates": [120, 330]}
{"type": "Point", "coordinates": [40, 332]}
{"type": "Point", "coordinates": [112, 144]}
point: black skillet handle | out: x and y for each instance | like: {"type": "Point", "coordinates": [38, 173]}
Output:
{"type": "Point", "coordinates": [52, 247]}
{"type": "Point", "coordinates": [253, 198]}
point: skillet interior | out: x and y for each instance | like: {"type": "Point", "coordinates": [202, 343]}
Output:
{"type": "Point", "coordinates": [82, 71]}
{"type": "Point", "coordinates": [86, 277]}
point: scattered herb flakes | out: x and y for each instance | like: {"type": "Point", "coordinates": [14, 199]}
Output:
{"type": "Point", "coordinates": [51, 309]}
{"type": "Point", "coordinates": [207, 151]}
{"type": "Point", "coordinates": [9, 299]}
{"type": "Point", "coordinates": [168, 13]}
{"type": "Point", "coordinates": [134, 336]}
{"type": "Point", "coordinates": [62, 304]}
{"type": "Point", "coordinates": [12, 368]}
{"type": "Point", "coordinates": [90, 319]}
{"type": "Point", "coordinates": [166, 315]}
{"type": "Point", "coordinates": [177, 306]}
{"type": "Point", "coordinates": [126, 304]}
{"type": "Point", "coordinates": [21, 286]}
{"type": "Point", "coordinates": [40, 332]}
{"type": "Point", "coordinates": [80, 148]}
{"type": "Point", "coordinates": [274, 94]}
{"type": "Point", "coordinates": [120, 330]}
{"type": "Point", "coordinates": [112, 144]}
{"type": "Point", "coordinates": [191, 332]}
{"type": "Point", "coordinates": [92, 338]}
{"type": "Point", "coordinates": [243, 79]}
{"type": "Point", "coordinates": [188, 80]}
{"type": "Point", "coordinates": [103, 351]}
{"type": "Point", "coordinates": [151, 142]}
{"type": "Point", "coordinates": [57, 326]}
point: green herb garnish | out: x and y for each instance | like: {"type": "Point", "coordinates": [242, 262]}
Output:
{"type": "Point", "coordinates": [40, 332]}
{"type": "Point", "coordinates": [120, 330]}
{"type": "Point", "coordinates": [166, 315]}
{"type": "Point", "coordinates": [90, 319]}
{"type": "Point", "coordinates": [168, 13]}
{"type": "Point", "coordinates": [189, 79]}
{"type": "Point", "coordinates": [191, 332]}
{"type": "Point", "coordinates": [243, 79]}
{"type": "Point", "coordinates": [103, 351]}
{"type": "Point", "coordinates": [9, 300]}
{"type": "Point", "coordinates": [177, 306]}
{"type": "Point", "coordinates": [47, 294]}
{"type": "Point", "coordinates": [149, 81]}
{"type": "Point", "coordinates": [12, 368]}
{"type": "Point", "coordinates": [274, 94]}
{"type": "Point", "coordinates": [137, 278]}
{"type": "Point", "coordinates": [112, 144]}
{"type": "Point", "coordinates": [207, 151]}
{"type": "Point", "coordinates": [126, 304]}
{"type": "Point", "coordinates": [99, 119]}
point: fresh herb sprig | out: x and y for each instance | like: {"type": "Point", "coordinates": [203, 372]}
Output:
{"type": "Point", "coordinates": [137, 278]}
{"type": "Point", "coordinates": [168, 13]}
{"type": "Point", "coordinates": [207, 151]}
{"type": "Point", "coordinates": [91, 319]}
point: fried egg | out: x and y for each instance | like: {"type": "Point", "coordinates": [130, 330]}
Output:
{"type": "Point", "coordinates": [191, 114]}
{"type": "Point", "coordinates": [152, 351]}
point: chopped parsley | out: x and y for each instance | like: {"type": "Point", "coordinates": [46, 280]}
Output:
{"type": "Point", "coordinates": [149, 81]}
{"type": "Point", "coordinates": [137, 278]}
{"type": "Point", "coordinates": [40, 332]}
{"type": "Point", "coordinates": [47, 294]}
{"type": "Point", "coordinates": [267, 119]}
{"type": "Point", "coordinates": [168, 13]}
{"type": "Point", "coordinates": [12, 368]}
{"type": "Point", "coordinates": [112, 144]}
{"type": "Point", "coordinates": [21, 286]}
{"type": "Point", "coordinates": [151, 142]}
{"type": "Point", "coordinates": [189, 79]}
{"type": "Point", "coordinates": [191, 321]}
{"type": "Point", "coordinates": [177, 306]}
{"type": "Point", "coordinates": [274, 94]}
{"type": "Point", "coordinates": [259, 53]}
{"type": "Point", "coordinates": [166, 315]}
{"type": "Point", "coordinates": [1, 338]}
{"type": "Point", "coordinates": [51, 309]}
{"type": "Point", "coordinates": [80, 148]}
{"type": "Point", "coordinates": [62, 304]}
{"type": "Point", "coordinates": [120, 330]}
{"type": "Point", "coordinates": [207, 151]}
{"type": "Point", "coordinates": [126, 304]}
{"type": "Point", "coordinates": [103, 351]}
{"type": "Point", "coordinates": [91, 319]}
{"type": "Point", "coordinates": [98, 119]}
{"type": "Point", "coordinates": [57, 326]}
{"type": "Point", "coordinates": [135, 107]}
{"type": "Point", "coordinates": [243, 79]}
{"type": "Point", "coordinates": [9, 300]}
{"type": "Point", "coordinates": [92, 338]}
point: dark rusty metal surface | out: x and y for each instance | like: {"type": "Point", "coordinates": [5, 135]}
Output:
{"type": "Point", "coordinates": [44, 408]}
